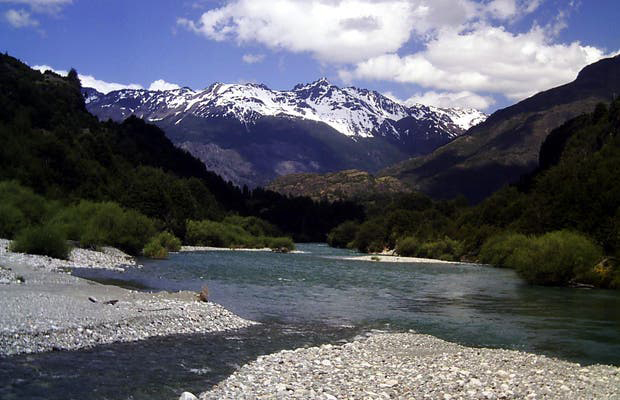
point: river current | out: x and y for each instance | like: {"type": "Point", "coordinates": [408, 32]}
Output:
{"type": "Point", "coordinates": [319, 296]}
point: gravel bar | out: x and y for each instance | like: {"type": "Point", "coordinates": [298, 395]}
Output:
{"type": "Point", "coordinates": [414, 366]}
{"type": "Point", "coordinates": [43, 308]}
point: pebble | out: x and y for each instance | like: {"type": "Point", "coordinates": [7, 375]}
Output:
{"type": "Point", "coordinates": [414, 366]}
{"type": "Point", "coordinates": [188, 396]}
{"type": "Point", "coordinates": [107, 258]}
{"type": "Point", "coordinates": [53, 310]}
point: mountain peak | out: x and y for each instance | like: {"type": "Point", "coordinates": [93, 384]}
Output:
{"type": "Point", "coordinates": [319, 83]}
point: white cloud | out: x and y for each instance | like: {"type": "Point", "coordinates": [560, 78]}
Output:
{"type": "Point", "coordinates": [162, 85]}
{"type": "Point", "coordinates": [253, 58]}
{"type": "Point", "coordinates": [92, 82]}
{"type": "Point", "coordinates": [464, 99]}
{"type": "Point", "coordinates": [41, 6]}
{"type": "Point", "coordinates": [502, 9]}
{"type": "Point", "coordinates": [332, 31]}
{"type": "Point", "coordinates": [20, 19]}
{"type": "Point", "coordinates": [483, 59]}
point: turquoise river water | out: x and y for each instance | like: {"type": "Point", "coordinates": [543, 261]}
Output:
{"type": "Point", "coordinates": [318, 296]}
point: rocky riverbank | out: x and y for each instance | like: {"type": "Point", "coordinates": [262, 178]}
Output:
{"type": "Point", "coordinates": [415, 366]}
{"type": "Point", "coordinates": [42, 308]}
{"type": "Point", "coordinates": [108, 258]}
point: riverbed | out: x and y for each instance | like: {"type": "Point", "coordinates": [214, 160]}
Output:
{"type": "Point", "coordinates": [321, 296]}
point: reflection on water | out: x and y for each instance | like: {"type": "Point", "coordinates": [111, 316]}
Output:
{"type": "Point", "coordinates": [317, 293]}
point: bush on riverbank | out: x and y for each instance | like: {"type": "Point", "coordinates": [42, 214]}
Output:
{"type": "Point", "coordinates": [555, 258]}
{"type": "Point", "coordinates": [160, 245]}
{"type": "Point", "coordinates": [253, 225]}
{"type": "Point", "coordinates": [222, 234]}
{"type": "Point", "coordinates": [498, 249]}
{"type": "Point", "coordinates": [281, 244]}
{"type": "Point", "coordinates": [45, 240]}
{"type": "Point", "coordinates": [20, 207]}
{"type": "Point", "coordinates": [445, 249]}
{"type": "Point", "coordinates": [343, 235]}
{"type": "Point", "coordinates": [106, 224]}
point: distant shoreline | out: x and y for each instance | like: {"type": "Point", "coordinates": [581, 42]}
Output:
{"type": "Point", "coordinates": [187, 249]}
{"type": "Point", "coordinates": [398, 259]}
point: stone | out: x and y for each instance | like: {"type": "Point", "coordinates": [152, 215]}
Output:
{"type": "Point", "coordinates": [188, 396]}
{"type": "Point", "coordinates": [204, 294]}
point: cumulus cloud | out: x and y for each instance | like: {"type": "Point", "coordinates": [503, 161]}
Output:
{"type": "Point", "coordinates": [20, 19]}
{"type": "Point", "coordinates": [485, 59]}
{"type": "Point", "coordinates": [253, 58]}
{"type": "Point", "coordinates": [332, 31]}
{"type": "Point", "coordinates": [41, 6]}
{"type": "Point", "coordinates": [92, 82]}
{"type": "Point", "coordinates": [453, 49]}
{"type": "Point", "coordinates": [162, 85]}
{"type": "Point", "coordinates": [464, 99]}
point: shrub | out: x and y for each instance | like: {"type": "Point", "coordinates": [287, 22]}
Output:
{"type": "Point", "coordinates": [218, 234]}
{"type": "Point", "coordinates": [45, 240]}
{"type": "Point", "coordinates": [161, 244]}
{"type": "Point", "coordinates": [555, 258]}
{"type": "Point", "coordinates": [253, 225]}
{"type": "Point", "coordinates": [154, 249]}
{"type": "Point", "coordinates": [370, 237]}
{"type": "Point", "coordinates": [498, 249]}
{"type": "Point", "coordinates": [282, 244]}
{"type": "Point", "coordinates": [34, 209]}
{"type": "Point", "coordinates": [169, 241]}
{"type": "Point", "coordinates": [11, 220]}
{"type": "Point", "coordinates": [343, 235]}
{"type": "Point", "coordinates": [106, 224]}
{"type": "Point", "coordinates": [407, 247]}
{"type": "Point", "coordinates": [444, 249]}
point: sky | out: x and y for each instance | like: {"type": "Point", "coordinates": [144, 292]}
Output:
{"type": "Point", "coordinates": [485, 54]}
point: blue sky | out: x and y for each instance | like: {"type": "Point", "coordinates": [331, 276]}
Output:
{"type": "Point", "coordinates": [483, 54]}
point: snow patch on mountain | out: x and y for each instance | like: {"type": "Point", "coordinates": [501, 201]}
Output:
{"type": "Point", "coordinates": [351, 111]}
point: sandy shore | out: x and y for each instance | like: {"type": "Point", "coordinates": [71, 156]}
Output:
{"type": "Point", "coordinates": [43, 308]}
{"type": "Point", "coordinates": [388, 258]}
{"type": "Point", "coordinates": [209, 248]}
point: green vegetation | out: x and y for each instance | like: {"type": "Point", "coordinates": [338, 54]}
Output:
{"type": "Point", "coordinates": [55, 149]}
{"type": "Point", "coordinates": [228, 234]}
{"type": "Point", "coordinates": [443, 249]}
{"type": "Point", "coordinates": [280, 244]}
{"type": "Point", "coordinates": [100, 224]}
{"type": "Point", "coordinates": [46, 240]}
{"type": "Point", "coordinates": [160, 245]}
{"type": "Point", "coordinates": [343, 235]}
{"type": "Point", "coordinates": [557, 226]}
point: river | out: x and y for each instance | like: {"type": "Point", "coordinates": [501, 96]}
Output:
{"type": "Point", "coordinates": [319, 296]}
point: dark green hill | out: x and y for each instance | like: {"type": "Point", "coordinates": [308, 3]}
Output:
{"type": "Point", "coordinates": [560, 225]}
{"type": "Point", "coordinates": [51, 144]}
{"type": "Point", "coordinates": [506, 145]}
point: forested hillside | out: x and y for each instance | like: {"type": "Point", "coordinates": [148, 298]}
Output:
{"type": "Point", "coordinates": [558, 225]}
{"type": "Point", "coordinates": [52, 145]}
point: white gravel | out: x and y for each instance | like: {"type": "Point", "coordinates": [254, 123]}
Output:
{"type": "Point", "coordinates": [49, 309]}
{"type": "Point", "coordinates": [414, 366]}
{"type": "Point", "coordinates": [108, 258]}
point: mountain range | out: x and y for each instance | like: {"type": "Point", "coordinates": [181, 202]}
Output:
{"type": "Point", "coordinates": [506, 145]}
{"type": "Point", "coordinates": [250, 134]}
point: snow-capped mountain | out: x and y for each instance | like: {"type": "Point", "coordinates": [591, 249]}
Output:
{"type": "Point", "coordinates": [315, 127]}
{"type": "Point", "coordinates": [350, 111]}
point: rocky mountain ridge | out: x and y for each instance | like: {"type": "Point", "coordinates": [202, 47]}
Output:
{"type": "Point", "coordinates": [251, 134]}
